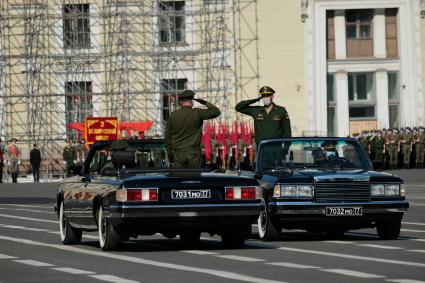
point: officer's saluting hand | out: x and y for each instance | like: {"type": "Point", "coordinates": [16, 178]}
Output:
{"type": "Point", "coordinates": [183, 131]}
{"type": "Point", "coordinates": [271, 120]}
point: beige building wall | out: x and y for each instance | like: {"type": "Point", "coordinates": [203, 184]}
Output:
{"type": "Point", "coordinates": [422, 23]}
{"type": "Point", "coordinates": [282, 57]}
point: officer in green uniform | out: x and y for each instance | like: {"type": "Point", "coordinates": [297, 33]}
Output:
{"type": "Point", "coordinates": [376, 143]}
{"type": "Point", "coordinates": [406, 146]}
{"type": "Point", "coordinates": [420, 148]}
{"type": "Point", "coordinates": [183, 131]}
{"type": "Point", "coordinates": [391, 145]}
{"type": "Point", "coordinates": [69, 157]}
{"type": "Point", "coordinates": [14, 159]}
{"type": "Point", "coordinates": [271, 120]}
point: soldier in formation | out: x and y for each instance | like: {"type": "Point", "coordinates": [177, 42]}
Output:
{"type": "Point", "coordinates": [13, 154]}
{"type": "Point", "coordinates": [69, 157]}
{"type": "Point", "coordinates": [393, 148]}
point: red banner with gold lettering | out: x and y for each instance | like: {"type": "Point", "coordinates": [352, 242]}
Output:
{"type": "Point", "coordinates": [101, 129]}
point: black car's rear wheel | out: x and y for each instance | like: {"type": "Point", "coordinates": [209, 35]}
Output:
{"type": "Point", "coordinates": [234, 237]}
{"type": "Point", "coordinates": [69, 235]}
{"type": "Point", "coordinates": [335, 233]}
{"type": "Point", "coordinates": [109, 239]}
{"type": "Point", "coordinates": [266, 229]}
{"type": "Point", "coordinates": [388, 229]}
{"type": "Point", "coordinates": [190, 238]}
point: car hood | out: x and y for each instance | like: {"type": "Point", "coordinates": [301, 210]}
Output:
{"type": "Point", "coordinates": [311, 176]}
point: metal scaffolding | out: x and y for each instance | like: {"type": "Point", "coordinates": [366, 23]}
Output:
{"type": "Point", "coordinates": [63, 60]}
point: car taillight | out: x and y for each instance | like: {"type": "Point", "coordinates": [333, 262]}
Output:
{"type": "Point", "coordinates": [145, 194]}
{"type": "Point", "coordinates": [244, 193]}
{"type": "Point", "coordinates": [229, 193]}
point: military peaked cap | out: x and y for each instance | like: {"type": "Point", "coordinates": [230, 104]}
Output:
{"type": "Point", "coordinates": [186, 95]}
{"type": "Point", "coordinates": [266, 91]}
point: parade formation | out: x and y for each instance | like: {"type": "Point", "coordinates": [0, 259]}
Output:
{"type": "Point", "coordinates": [192, 141]}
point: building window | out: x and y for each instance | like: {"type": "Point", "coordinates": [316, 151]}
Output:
{"type": "Point", "coordinates": [359, 24]}
{"type": "Point", "coordinates": [358, 27]}
{"type": "Point", "coordinates": [170, 88]}
{"type": "Point", "coordinates": [78, 103]}
{"type": "Point", "coordinates": [362, 96]}
{"type": "Point", "coordinates": [394, 99]}
{"type": "Point", "coordinates": [391, 33]}
{"type": "Point", "coordinates": [76, 26]}
{"type": "Point", "coordinates": [331, 91]}
{"type": "Point", "coordinates": [171, 22]}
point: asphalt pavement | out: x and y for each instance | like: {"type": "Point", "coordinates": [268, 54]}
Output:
{"type": "Point", "coordinates": [31, 250]}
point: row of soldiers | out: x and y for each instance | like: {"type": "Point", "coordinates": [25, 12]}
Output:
{"type": "Point", "coordinates": [73, 155]}
{"type": "Point", "coordinates": [394, 148]}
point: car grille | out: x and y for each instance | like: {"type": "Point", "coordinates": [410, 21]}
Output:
{"type": "Point", "coordinates": [342, 192]}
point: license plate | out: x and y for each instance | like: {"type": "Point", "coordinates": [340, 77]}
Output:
{"type": "Point", "coordinates": [343, 211]}
{"type": "Point", "coordinates": [190, 194]}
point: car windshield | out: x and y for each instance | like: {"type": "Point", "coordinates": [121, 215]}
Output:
{"type": "Point", "coordinates": [134, 157]}
{"type": "Point", "coordinates": [315, 154]}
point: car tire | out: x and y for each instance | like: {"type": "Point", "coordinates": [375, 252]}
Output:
{"type": "Point", "coordinates": [266, 229]}
{"type": "Point", "coordinates": [109, 239]}
{"type": "Point", "coordinates": [234, 237]}
{"type": "Point", "coordinates": [388, 229]}
{"type": "Point", "coordinates": [335, 234]}
{"type": "Point", "coordinates": [69, 235]}
{"type": "Point", "coordinates": [190, 238]}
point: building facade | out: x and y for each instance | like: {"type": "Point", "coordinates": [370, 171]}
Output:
{"type": "Point", "coordinates": [338, 66]}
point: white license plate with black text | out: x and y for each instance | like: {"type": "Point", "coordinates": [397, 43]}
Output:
{"type": "Point", "coordinates": [190, 194]}
{"type": "Point", "coordinates": [344, 211]}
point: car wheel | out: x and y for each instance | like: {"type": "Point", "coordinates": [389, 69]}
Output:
{"type": "Point", "coordinates": [389, 229]}
{"type": "Point", "coordinates": [109, 239]}
{"type": "Point", "coordinates": [335, 234]}
{"type": "Point", "coordinates": [234, 237]}
{"type": "Point", "coordinates": [69, 235]}
{"type": "Point", "coordinates": [266, 229]}
{"type": "Point", "coordinates": [190, 238]}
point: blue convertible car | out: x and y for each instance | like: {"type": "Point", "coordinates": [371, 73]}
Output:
{"type": "Point", "coordinates": [325, 185]}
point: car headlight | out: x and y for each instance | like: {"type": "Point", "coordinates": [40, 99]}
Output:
{"type": "Point", "coordinates": [380, 190]}
{"type": "Point", "coordinates": [288, 191]}
{"type": "Point", "coordinates": [305, 191]}
{"type": "Point", "coordinates": [392, 190]}
{"type": "Point", "coordinates": [377, 190]}
{"type": "Point", "coordinates": [296, 191]}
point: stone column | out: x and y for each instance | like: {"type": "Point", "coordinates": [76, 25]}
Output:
{"type": "Point", "coordinates": [340, 37]}
{"type": "Point", "coordinates": [379, 34]}
{"type": "Point", "coordinates": [382, 108]}
{"type": "Point", "coordinates": [342, 115]}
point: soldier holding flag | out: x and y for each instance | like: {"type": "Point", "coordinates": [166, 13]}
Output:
{"type": "Point", "coordinates": [13, 159]}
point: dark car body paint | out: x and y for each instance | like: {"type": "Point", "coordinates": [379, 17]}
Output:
{"type": "Point", "coordinates": [83, 194]}
{"type": "Point", "coordinates": [308, 214]}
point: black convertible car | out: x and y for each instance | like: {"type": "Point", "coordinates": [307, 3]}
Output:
{"type": "Point", "coordinates": [127, 189]}
{"type": "Point", "coordinates": [326, 185]}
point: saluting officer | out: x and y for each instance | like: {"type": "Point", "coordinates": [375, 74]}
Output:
{"type": "Point", "coordinates": [271, 120]}
{"type": "Point", "coordinates": [183, 131]}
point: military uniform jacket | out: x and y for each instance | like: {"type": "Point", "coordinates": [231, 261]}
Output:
{"type": "Point", "coordinates": [275, 124]}
{"type": "Point", "coordinates": [183, 129]}
{"type": "Point", "coordinates": [13, 152]}
{"type": "Point", "coordinates": [407, 139]}
{"type": "Point", "coordinates": [69, 153]}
